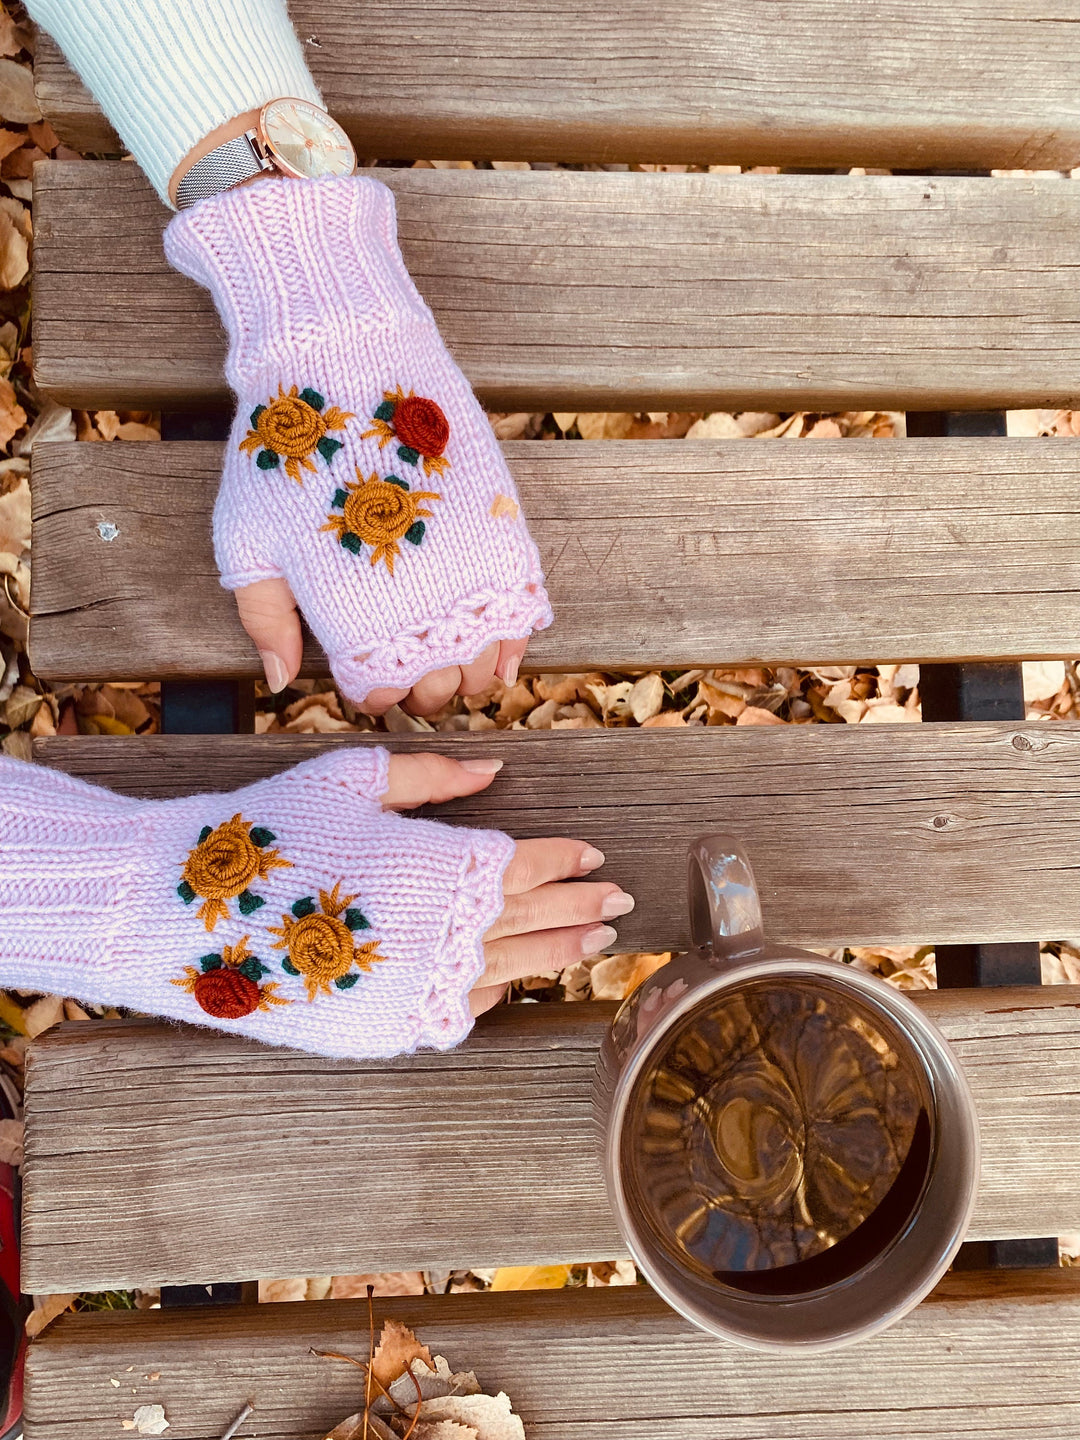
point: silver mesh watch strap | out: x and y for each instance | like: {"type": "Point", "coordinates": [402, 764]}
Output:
{"type": "Point", "coordinates": [230, 164]}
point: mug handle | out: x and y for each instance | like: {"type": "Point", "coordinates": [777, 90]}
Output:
{"type": "Point", "coordinates": [725, 910]}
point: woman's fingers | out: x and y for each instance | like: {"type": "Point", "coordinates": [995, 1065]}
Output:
{"type": "Point", "coordinates": [515, 956]}
{"type": "Point", "coordinates": [510, 656]}
{"type": "Point", "coordinates": [379, 701]}
{"type": "Point", "coordinates": [549, 906]}
{"type": "Point", "coordinates": [432, 691]}
{"type": "Point", "coordinates": [431, 779]}
{"type": "Point", "coordinates": [479, 674]}
{"type": "Point", "coordinates": [484, 997]}
{"type": "Point", "coordinates": [536, 862]}
{"type": "Point", "coordinates": [268, 614]}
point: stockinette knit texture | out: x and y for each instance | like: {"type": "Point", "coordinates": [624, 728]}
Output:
{"type": "Point", "coordinates": [215, 909]}
{"type": "Point", "coordinates": [360, 467]}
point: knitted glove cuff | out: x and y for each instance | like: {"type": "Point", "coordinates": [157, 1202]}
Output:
{"type": "Point", "coordinates": [296, 267]}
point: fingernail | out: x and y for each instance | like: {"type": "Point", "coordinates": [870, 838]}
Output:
{"type": "Point", "coordinates": [510, 670]}
{"type": "Point", "coordinates": [277, 673]}
{"type": "Point", "coordinates": [482, 767]}
{"type": "Point", "coordinates": [591, 858]}
{"type": "Point", "coordinates": [618, 904]}
{"type": "Point", "coordinates": [597, 939]}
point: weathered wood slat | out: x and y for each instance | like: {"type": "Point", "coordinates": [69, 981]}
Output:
{"type": "Point", "coordinates": [689, 552]}
{"type": "Point", "coordinates": [858, 834]}
{"type": "Point", "coordinates": [992, 1353]}
{"type": "Point", "coordinates": [898, 82]}
{"type": "Point", "coordinates": [482, 1156]}
{"type": "Point", "coordinates": [614, 291]}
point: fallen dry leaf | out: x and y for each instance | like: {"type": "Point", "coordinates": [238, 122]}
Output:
{"type": "Point", "coordinates": [398, 1347]}
{"type": "Point", "coordinates": [14, 254]}
{"type": "Point", "coordinates": [755, 715]}
{"type": "Point", "coordinates": [11, 1142]}
{"type": "Point", "coordinates": [148, 1420]}
{"type": "Point", "coordinates": [46, 1309]}
{"type": "Point", "coordinates": [531, 1277]}
{"type": "Point", "coordinates": [491, 1416]}
{"type": "Point", "coordinates": [12, 415]}
{"type": "Point", "coordinates": [394, 1282]}
{"type": "Point", "coordinates": [17, 100]}
{"type": "Point", "coordinates": [646, 697]}
{"type": "Point", "coordinates": [617, 976]}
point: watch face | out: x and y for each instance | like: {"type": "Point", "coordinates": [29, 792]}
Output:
{"type": "Point", "coordinates": [304, 140]}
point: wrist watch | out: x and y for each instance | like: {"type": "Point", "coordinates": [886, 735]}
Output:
{"type": "Point", "coordinates": [292, 137]}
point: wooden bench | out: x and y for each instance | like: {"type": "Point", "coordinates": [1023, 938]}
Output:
{"type": "Point", "coordinates": [149, 1147]}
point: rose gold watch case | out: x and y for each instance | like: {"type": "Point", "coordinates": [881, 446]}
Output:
{"type": "Point", "coordinates": [325, 121]}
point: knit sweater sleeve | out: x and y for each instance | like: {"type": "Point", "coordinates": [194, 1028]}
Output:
{"type": "Point", "coordinates": [168, 72]}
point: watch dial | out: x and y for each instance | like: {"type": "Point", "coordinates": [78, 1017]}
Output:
{"type": "Point", "coordinates": [305, 141]}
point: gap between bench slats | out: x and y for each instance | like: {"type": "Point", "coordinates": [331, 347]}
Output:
{"type": "Point", "coordinates": [616, 291]}
{"type": "Point", "coordinates": [859, 834]}
{"type": "Point", "coordinates": [172, 1155]}
{"type": "Point", "coordinates": [988, 1353]}
{"type": "Point", "coordinates": [906, 84]}
{"type": "Point", "coordinates": [684, 553]}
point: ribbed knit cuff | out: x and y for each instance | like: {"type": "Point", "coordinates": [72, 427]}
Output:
{"type": "Point", "coordinates": [168, 72]}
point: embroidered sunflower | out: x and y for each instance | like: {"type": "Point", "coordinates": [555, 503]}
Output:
{"type": "Point", "coordinates": [320, 942]}
{"type": "Point", "coordinates": [294, 426]}
{"type": "Point", "coordinates": [417, 424]}
{"type": "Point", "coordinates": [379, 513]}
{"type": "Point", "coordinates": [227, 985]}
{"type": "Point", "coordinates": [224, 863]}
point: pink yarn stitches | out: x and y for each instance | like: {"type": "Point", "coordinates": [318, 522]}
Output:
{"type": "Point", "coordinates": [311, 286]}
{"type": "Point", "coordinates": [89, 905]}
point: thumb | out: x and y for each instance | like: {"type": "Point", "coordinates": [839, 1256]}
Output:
{"type": "Point", "coordinates": [431, 779]}
{"type": "Point", "coordinates": [268, 614]}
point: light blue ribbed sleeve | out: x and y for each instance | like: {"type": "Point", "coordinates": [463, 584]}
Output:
{"type": "Point", "coordinates": [167, 72]}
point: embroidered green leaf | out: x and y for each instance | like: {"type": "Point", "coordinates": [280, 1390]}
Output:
{"type": "Point", "coordinates": [253, 969]}
{"type": "Point", "coordinates": [289, 967]}
{"type": "Point", "coordinates": [205, 833]}
{"type": "Point", "coordinates": [268, 460]}
{"type": "Point", "coordinates": [408, 454]}
{"type": "Point", "coordinates": [312, 398]}
{"type": "Point", "coordinates": [386, 410]}
{"type": "Point", "coordinates": [415, 533]}
{"type": "Point", "coordinates": [352, 542]}
{"type": "Point", "coordinates": [355, 920]}
{"type": "Point", "coordinates": [328, 448]}
{"type": "Point", "coordinates": [261, 836]}
{"type": "Point", "coordinates": [255, 415]}
{"type": "Point", "coordinates": [211, 962]}
{"type": "Point", "coordinates": [249, 903]}
{"type": "Point", "coordinates": [346, 982]}
{"type": "Point", "coordinates": [338, 502]}
{"type": "Point", "coordinates": [304, 907]}
{"type": "Point", "coordinates": [397, 480]}
{"type": "Point", "coordinates": [186, 893]}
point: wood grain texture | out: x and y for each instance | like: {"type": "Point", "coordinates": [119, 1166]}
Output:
{"type": "Point", "coordinates": [991, 1354]}
{"type": "Point", "coordinates": [162, 1154]}
{"type": "Point", "coordinates": [601, 291]}
{"type": "Point", "coordinates": [685, 553]}
{"type": "Point", "coordinates": [858, 834]}
{"type": "Point", "coordinates": [884, 82]}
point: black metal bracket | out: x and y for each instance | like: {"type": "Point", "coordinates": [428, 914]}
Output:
{"type": "Point", "coordinates": [980, 692]}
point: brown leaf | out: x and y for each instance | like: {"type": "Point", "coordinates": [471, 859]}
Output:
{"type": "Point", "coordinates": [604, 425]}
{"type": "Point", "coordinates": [19, 165]}
{"type": "Point", "coordinates": [392, 1282]}
{"type": "Point", "coordinates": [12, 416]}
{"type": "Point", "coordinates": [46, 1309]}
{"type": "Point", "coordinates": [754, 715]}
{"type": "Point", "coordinates": [515, 703]}
{"type": "Point", "coordinates": [646, 697]}
{"type": "Point", "coordinates": [398, 1348]}
{"type": "Point", "coordinates": [10, 140]}
{"type": "Point", "coordinates": [11, 1142]}
{"type": "Point", "coordinates": [666, 720]}
{"type": "Point", "coordinates": [42, 1015]}
{"type": "Point", "coordinates": [43, 135]}
{"type": "Point", "coordinates": [17, 100]}
{"type": "Point", "coordinates": [21, 706]}
{"type": "Point", "coordinates": [617, 976]}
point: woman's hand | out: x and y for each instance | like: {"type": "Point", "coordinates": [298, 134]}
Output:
{"type": "Point", "coordinates": [268, 613]}
{"type": "Point", "coordinates": [546, 923]}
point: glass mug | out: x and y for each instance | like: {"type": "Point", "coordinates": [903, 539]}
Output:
{"type": "Point", "coordinates": [791, 1149]}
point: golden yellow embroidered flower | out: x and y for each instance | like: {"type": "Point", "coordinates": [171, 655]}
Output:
{"type": "Point", "coordinates": [320, 942]}
{"type": "Point", "coordinates": [379, 513]}
{"type": "Point", "coordinates": [294, 426]}
{"type": "Point", "coordinates": [224, 863]}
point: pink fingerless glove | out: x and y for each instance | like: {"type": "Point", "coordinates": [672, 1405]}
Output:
{"type": "Point", "coordinates": [360, 467]}
{"type": "Point", "coordinates": [296, 910]}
